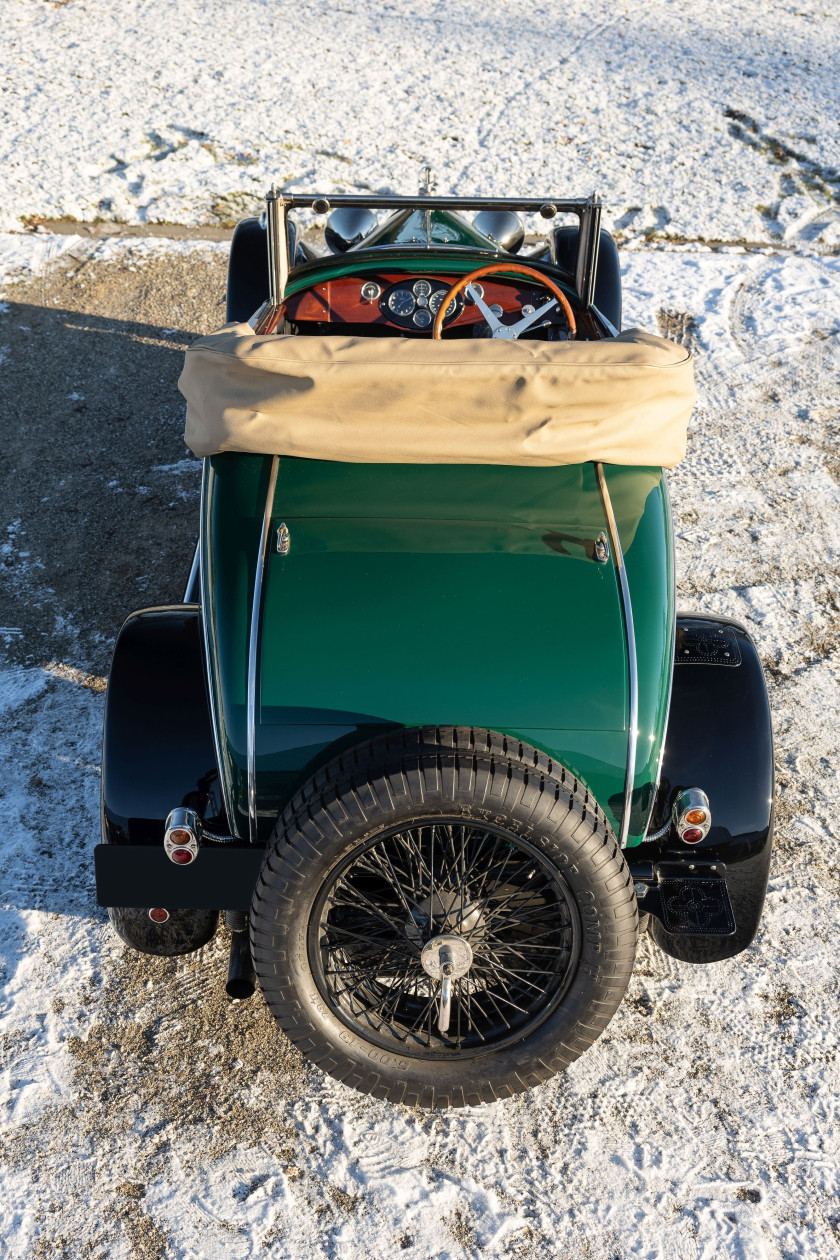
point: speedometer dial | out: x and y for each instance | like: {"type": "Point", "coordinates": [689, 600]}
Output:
{"type": "Point", "coordinates": [401, 302]}
{"type": "Point", "coordinates": [435, 301]}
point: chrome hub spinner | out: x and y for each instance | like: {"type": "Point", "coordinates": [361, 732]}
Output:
{"type": "Point", "coordinates": [446, 958]}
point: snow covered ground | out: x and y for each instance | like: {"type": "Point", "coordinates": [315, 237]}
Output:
{"type": "Point", "coordinates": [140, 1114]}
{"type": "Point", "coordinates": [708, 120]}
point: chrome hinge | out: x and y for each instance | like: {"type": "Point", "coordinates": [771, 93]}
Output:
{"type": "Point", "coordinates": [602, 548]}
{"type": "Point", "coordinates": [284, 540]}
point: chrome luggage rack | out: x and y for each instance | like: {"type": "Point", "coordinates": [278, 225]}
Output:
{"type": "Point", "coordinates": [587, 209]}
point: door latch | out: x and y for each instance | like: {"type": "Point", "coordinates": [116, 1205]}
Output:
{"type": "Point", "coordinates": [284, 539]}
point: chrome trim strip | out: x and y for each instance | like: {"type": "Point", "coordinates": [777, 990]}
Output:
{"type": "Point", "coordinates": [205, 636]}
{"type": "Point", "coordinates": [563, 205]}
{"type": "Point", "coordinates": [254, 650]}
{"type": "Point", "coordinates": [189, 589]}
{"type": "Point", "coordinates": [632, 666]}
{"type": "Point", "coordinates": [673, 662]}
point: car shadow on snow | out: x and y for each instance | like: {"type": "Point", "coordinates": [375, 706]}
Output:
{"type": "Point", "coordinates": [100, 494]}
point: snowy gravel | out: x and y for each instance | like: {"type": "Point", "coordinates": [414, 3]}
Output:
{"type": "Point", "coordinates": [141, 1114]}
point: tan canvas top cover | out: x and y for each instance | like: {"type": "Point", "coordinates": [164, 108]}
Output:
{"type": "Point", "coordinates": [626, 400]}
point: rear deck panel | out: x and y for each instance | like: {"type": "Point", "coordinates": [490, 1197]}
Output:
{"type": "Point", "coordinates": [417, 594]}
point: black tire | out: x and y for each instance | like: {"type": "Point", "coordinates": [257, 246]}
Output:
{"type": "Point", "coordinates": [184, 931]}
{"type": "Point", "coordinates": [483, 783]}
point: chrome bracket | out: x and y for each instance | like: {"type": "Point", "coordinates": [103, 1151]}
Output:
{"type": "Point", "coordinates": [284, 540]}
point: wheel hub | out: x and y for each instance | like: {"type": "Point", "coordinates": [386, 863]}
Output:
{"type": "Point", "coordinates": [444, 911]}
{"type": "Point", "coordinates": [447, 955]}
{"type": "Point", "coordinates": [446, 958]}
{"type": "Point", "coordinates": [446, 937]}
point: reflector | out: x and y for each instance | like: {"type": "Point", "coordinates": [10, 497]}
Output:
{"type": "Point", "coordinates": [158, 915]}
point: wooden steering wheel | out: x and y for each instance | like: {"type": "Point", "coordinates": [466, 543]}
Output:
{"type": "Point", "coordinates": [506, 332]}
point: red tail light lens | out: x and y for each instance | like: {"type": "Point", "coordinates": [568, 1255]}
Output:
{"type": "Point", "coordinates": [182, 856]}
{"type": "Point", "coordinates": [692, 835]}
{"type": "Point", "coordinates": [158, 915]}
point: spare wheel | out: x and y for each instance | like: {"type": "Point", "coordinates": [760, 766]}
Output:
{"type": "Point", "coordinates": [443, 918]}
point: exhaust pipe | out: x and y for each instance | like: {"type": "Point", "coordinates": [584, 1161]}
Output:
{"type": "Point", "coordinates": [241, 980]}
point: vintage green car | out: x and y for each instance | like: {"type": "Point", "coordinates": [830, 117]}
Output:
{"type": "Point", "coordinates": [427, 726]}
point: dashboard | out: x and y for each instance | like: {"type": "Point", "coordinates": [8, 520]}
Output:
{"type": "Point", "coordinates": [410, 303]}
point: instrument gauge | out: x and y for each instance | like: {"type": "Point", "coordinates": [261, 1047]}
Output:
{"type": "Point", "coordinates": [435, 301]}
{"type": "Point", "coordinates": [421, 288]}
{"type": "Point", "coordinates": [401, 302]}
{"type": "Point", "coordinates": [370, 291]}
{"type": "Point", "coordinates": [422, 318]}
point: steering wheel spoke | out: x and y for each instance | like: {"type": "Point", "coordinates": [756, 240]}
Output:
{"type": "Point", "coordinates": [528, 320]}
{"type": "Point", "coordinates": [492, 319]}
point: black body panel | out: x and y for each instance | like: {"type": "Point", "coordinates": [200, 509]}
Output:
{"type": "Point", "coordinates": [158, 750]}
{"type": "Point", "coordinates": [607, 296]}
{"type": "Point", "coordinates": [719, 739]}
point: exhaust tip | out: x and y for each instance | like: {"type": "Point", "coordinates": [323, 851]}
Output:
{"type": "Point", "coordinates": [239, 987]}
{"type": "Point", "coordinates": [241, 980]}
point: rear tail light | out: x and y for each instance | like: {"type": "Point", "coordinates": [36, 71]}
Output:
{"type": "Point", "coordinates": [158, 915]}
{"type": "Point", "coordinates": [692, 816]}
{"type": "Point", "coordinates": [182, 836]}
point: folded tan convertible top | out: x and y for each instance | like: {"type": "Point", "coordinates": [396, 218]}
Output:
{"type": "Point", "coordinates": [390, 400]}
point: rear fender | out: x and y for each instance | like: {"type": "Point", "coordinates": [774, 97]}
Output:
{"type": "Point", "coordinates": [158, 752]}
{"type": "Point", "coordinates": [158, 749]}
{"type": "Point", "coordinates": [719, 739]}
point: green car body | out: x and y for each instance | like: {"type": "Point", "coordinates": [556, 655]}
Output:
{"type": "Point", "coordinates": [416, 595]}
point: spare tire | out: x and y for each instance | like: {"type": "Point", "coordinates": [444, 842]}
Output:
{"type": "Point", "coordinates": [432, 855]}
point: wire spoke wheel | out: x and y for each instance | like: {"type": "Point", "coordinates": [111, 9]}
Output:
{"type": "Point", "coordinates": [444, 937]}
{"type": "Point", "coordinates": [443, 917]}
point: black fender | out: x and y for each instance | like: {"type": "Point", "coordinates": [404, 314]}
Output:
{"type": "Point", "coordinates": [247, 279]}
{"type": "Point", "coordinates": [720, 739]}
{"type": "Point", "coordinates": [158, 752]}
{"type": "Point", "coordinates": [247, 282]}
{"type": "Point", "coordinates": [563, 242]}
